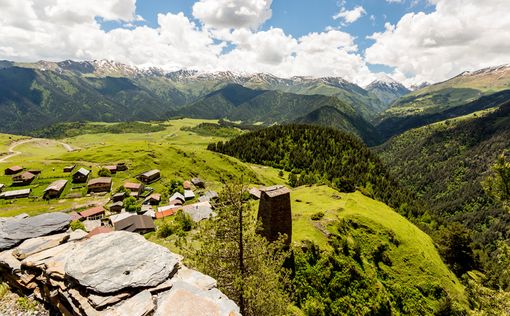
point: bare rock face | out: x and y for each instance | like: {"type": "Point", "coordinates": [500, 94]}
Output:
{"type": "Point", "coordinates": [14, 231]}
{"type": "Point", "coordinates": [108, 263]}
{"type": "Point", "coordinates": [35, 245]}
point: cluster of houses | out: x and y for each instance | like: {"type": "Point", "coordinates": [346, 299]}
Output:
{"type": "Point", "coordinates": [113, 216]}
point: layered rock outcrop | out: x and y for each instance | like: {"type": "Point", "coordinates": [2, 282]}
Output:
{"type": "Point", "coordinates": [117, 273]}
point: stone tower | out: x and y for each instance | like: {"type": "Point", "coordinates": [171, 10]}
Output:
{"type": "Point", "coordinates": [275, 212]}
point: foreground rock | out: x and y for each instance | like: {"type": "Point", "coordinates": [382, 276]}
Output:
{"type": "Point", "coordinates": [14, 231]}
{"type": "Point", "coordinates": [117, 273]}
{"type": "Point", "coordinates": [123, 259]}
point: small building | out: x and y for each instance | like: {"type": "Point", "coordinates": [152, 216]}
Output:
{"type": "Point", "coordinates": [153, 199]}
{"type": "Point", "coordinates": [150, 176]}
{"type": "Point", "coordinates": [136, 224]}
{"type": "Point", "coordinates": [198, 211]}
{"type": "Point", "coordinates": [275, 213]}
{"type": "Point", "coordinates": [81, 176]}
{"type": "Point", "coordinates": [70, 168]}
{"type": "Point", "coordinates": [134, 187]}
{"type": "Point", "coordinates": [176, 202]}
{"type": "Point", "coordinates": [199, 183]}
{"type": "Point", "coordinates": [118, 197]}
{"type": "Point", "coordinates": [24, 178]}
{"type": "Point", "coordinates": [112, 169]}
{"type": "Point", "coordinates": [118, 217]}
{"type": "Point", "coordinates": [16, 194]}
{"type": "Point", "coordinates": [255, 193]}
{"type": "Point", "coordinates": [13, 170]}
{"type": "Point", "coordinates": [94, 213]}
{"type": "Point", "coordinates": [99, 230]}
{"type": "Point", "coordinates": [102, 184]}
{"type": "Point", "coordinates": [35, 171]}
{"type": "Point", "coordinates": [208, 196]}
{"type": "Point", "coordinates": [2, 186]}
{"type": "Point", "coordinates": [189, 195]}
{"type": "Point", "coordinates": [121, 166]}
{"type": "Point", "coordinates": [168, 210]}
{"type": "Point", "coordinates": [116, 207]}
{"type": "Point", "coordinates": [186, 185]}
{"type": "Point", "coordinates": [55, 189]}
{"type": "Point", "coordinates": [177, 196]}
{"type": "Point", "coordinates": [75, 216]}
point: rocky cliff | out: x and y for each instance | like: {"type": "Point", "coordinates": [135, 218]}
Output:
{"type": "Point", "coordinates": [117, 273]}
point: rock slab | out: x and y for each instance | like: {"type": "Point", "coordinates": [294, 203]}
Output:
{"type": "Point", "coordinates": [107, 263]}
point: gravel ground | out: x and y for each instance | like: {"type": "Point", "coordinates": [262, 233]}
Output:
{"type": "Point", "coordinates": [12, 304]}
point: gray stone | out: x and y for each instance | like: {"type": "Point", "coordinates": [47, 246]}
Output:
{"type": "Point", "coordinates": [187, 300]}
{"type": "Point", "coordinates": [100, 301]}
{"type": "Point", "coordinates": [77, 235]}
{"type": "Point", "coordinates": [139, 305]}
{"type": "Point", "coordinates": [9, 261]}
{"type": "Point", "coordinates": [51, 260]}
{"type": "Point", "coordinates": [38, 244]}
{"type": "Point", "coordinates": [111, 262]}
{"type": "Point", "coordinates": [195, 278]}
{"type": "Point", "coordinates": [16, 230]}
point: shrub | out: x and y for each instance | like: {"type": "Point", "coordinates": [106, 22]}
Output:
{"type": "Point", "coordinates": [77, 225]}
{"type": "Point", "coordinates": [317, 216]}
{"type": "Point", "coordinates": [103, 172]}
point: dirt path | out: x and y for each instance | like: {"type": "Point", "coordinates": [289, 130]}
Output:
{"type": "Point", "coordinates": [12, 152]}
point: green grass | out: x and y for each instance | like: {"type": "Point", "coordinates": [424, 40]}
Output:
{"type": "Point", "coordinates": [416, 261]}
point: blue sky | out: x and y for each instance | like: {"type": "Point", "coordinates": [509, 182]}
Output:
{"type": "Point", "coordinates": [411, 40]}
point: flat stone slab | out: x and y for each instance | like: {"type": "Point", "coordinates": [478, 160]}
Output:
{"type": "Point", "coordinates": [111, 262]}
{"type": "Point", "coordinates": [139, 305]}
{"type": "Point", "coordinates": [9, 261]}
{"type": "Point", "coordinates": [15, 230]}
{"type": "Point", "coordinates": [187, 300]}
{"type": "Point", "coordinates": [195, 278]}
{"type": "Point", "coordinates": [77, 235]}
{"type": "Point", "coordinates": [51, 260]}
{"type": "Point", "coordinates": [38, 244]}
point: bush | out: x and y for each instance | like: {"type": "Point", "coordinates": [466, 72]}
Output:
{"type": "Point", "coordinates": [103, 172]}
{"type": "Point", "coordinates": [77, 225]}
{"type": "Point", "coordinates": [131, 205]}
{"type": "Point", "coordinates": [317, 216]}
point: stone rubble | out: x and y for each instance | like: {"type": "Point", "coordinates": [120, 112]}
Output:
{"type": "Point", "coordinates": [117, 273]}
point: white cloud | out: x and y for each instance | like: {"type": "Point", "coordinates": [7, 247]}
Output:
{"type": "Point", "coordinates": [233, 13]}
{"type": "Point", "coordinates": [350, 16]}
{"type": "Point", "coordinates": [459, 35]}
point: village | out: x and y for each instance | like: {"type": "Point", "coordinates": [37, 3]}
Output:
{"type": "Point", "coordinates": [144, 204]}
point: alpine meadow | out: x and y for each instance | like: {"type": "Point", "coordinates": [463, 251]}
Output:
{"type": "Point", "coordinates": [254, 157]}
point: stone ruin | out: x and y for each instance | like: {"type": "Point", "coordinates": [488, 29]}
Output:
{"type": "Point", "coordinates": [113, 274]}
{"type": "Point", "coordinates": [275, 213]}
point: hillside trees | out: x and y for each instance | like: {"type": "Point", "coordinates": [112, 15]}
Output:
{"type": "Point", "coordinates": [247, 267]}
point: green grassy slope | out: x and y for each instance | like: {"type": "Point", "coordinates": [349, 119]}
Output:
{"type": "Point", "coordinates": [415, 263]}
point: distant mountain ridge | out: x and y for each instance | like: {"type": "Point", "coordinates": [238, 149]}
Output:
{"type": "Point", "coordinates": [387, 89]}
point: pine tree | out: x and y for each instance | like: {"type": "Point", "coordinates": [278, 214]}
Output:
{"type": "Point", "coordinates": [248, 268]}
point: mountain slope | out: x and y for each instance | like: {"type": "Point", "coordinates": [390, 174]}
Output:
{"type": "Point", "coordinates": [456, 92]}
{"type": "Point", "coordinates": [387, 90]}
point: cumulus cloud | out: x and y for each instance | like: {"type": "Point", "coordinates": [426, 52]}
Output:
{"type": "Point", "coordinates": [350, 16]}
{"type": "Point", "coordinates": [233, 13]}
{"type": "Point", "coordinates": [459, 35]}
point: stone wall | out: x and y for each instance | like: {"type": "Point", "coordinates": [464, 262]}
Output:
{"type": "Point", "coordinates": [116, 273]}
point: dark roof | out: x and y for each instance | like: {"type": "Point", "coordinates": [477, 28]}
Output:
{"type": "Point", "coordinates": [132, 186]}
{"type": "Point", "coordinates": [134, 223]}
{"type": "Point", "coordinates": [92, 211]}
{"type": "Point", "coordinates": [99, 230]}
{"type": "Point", "coordinates": [102, 180]}
{"type": "Point", "coordinates": [197, 181]}
{"type": "Point", "coordinates": [24, 176]}
{"type": "Point", "coordinates": [150, 173]}
{"type": "Point", "coordinates": [15, 168]}
{"type": "Point", "coordinates": [83, 172]}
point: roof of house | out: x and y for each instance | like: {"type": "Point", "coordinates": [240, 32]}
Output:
{"type": "Point", "coordinates": [75, 216]}
{"type": "Point", "coordinates": [2, 185]}
{"type": "Point", "coordinates": [70, 167]}
{"type": "Point", "coordinates": [99, 230]}
{"type": "Point", "coordinates": [92, 211]}
{"type": "Point", "coordinates": [132, 186]}
{"type": "Point", "coordinates": [154, 196]}
{"type": "Point", "coordinates": [150, 173]}
{"type": "Point", "coordinates": [196, 181]}
{"type": "Point", "coordinates": [188, 194]}
{"type": "Point", "coordinates": [111, 167]}
{"type": "Point", "coordinates": [186, 185]}
{"type": "Point", "coordinates": [135, 222]}
{"type": "Point", "coordinates": [83, 171]}
{"type": "Point", "coordinates": [175, 202]}
{"type": "Point", "coordinates": [25, 176]}
{"type": "Point", "coordinates": [209, 195]}
{"type": "Point", "coordinates": [177, 196]}
{"type": "Point", "coordinates": [255, 192]}
{"type": "Point", "coordinates": [56, 185]}
{"type": "Point", "coordinates": [115, 218]}
{"type": "Point", "coordinates": [275, 190]}
{"type": "Point", "coordinates": [119, 203]}
{"type": "Point", "coordinates": [15, 192]}
{"type": "Point", "coordinates": [150, 213]}
{"type": "Point", "coordinates": [198, 211]}
{"type": "Point", "coordinates": [101, 180]}
{"type": "Point", "coordinates": [15, 168]}
{"type": "Point", "coordinates": [119, 194]}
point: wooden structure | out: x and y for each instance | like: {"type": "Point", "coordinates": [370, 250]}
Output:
{"type": "Point", "coordinates": [121, 166]}
{"type": "Point", "coordinates": [186, 185]}
{"type": "Point", "coordinates": [112, 169]}
{"type": "Point", "coordinates": [103, 184]}
{"type": "Point", "coordinates": [116, 207]}
{"type": "Point", "coordinates": [16, 194]}
{"type": "Point", "coordinates": [69, 168]}
{"type": "Point", "coordinates": [1, 187]}
{"type": "Point", "coordinates": [81, 176]}
{"type": "Point", "coordinates": [93, 213]}
{"type": "Point", "coordinates": [189, 195]}
{"type": "Point", "coordinates": [136, 224]}
{"type": "Point", "coordinates": [199, 183]}
{"type": "Point", "coordinates": [118, 197]}
{"type": "Point", "coordinates": [55, 189]}
{"type": "Point", "coordinates": [153, 199]}
{"type": "Point", "coordinates": [24, 178]}
{"type": "Point", "coordinates": [35, 171]}
{"type": "Point", "coordinates": [275, 213]}
{"type": "Point", "coordinates": [134, 187]}
{"type": "Point", "coordinates": [13, 170]}
{"type": "Point", "coordinates": [150, 176]}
